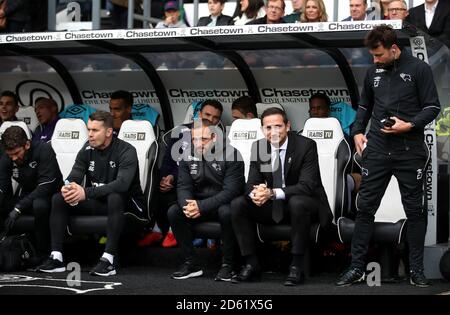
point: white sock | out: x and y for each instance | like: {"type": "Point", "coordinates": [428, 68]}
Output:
{"type": "Point", "coordinates": [170, 230]}
{"type": "Point", "coordinates": [156, 228]}
{"type": "Point", "coordinates": [57, 255]}
{"type": "Point", "coordinates": [109, 257]}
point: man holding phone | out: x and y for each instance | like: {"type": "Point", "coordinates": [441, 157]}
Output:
{"type": "Point", "coordinates": [399, 98]}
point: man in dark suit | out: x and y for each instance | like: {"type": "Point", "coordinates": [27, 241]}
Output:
{"type": "Point", "coordinates": [283, 185]}
{"type": "Point", "coordinates": [433, 17]}
{"type": "Point", "coordinates": [216, 18]}
{"type": "Point", "coordinates": [358, 11]}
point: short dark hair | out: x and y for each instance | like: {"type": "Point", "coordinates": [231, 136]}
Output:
{"type": "Point", "coordinates": [48, 101]}
{"type": "Point", "coordinates": [103, 116]}
{"type": "Point", "coordinates": [274, 111]}
{"type": "Point", "coordinates": [123, 95]}
{"type": "Point", "coordinates": [245, 104]}
{"type": "Point", "coordinates": [14, 137]}
{"type": "Point", "coordinates": [221, 1]}
{"type": "Point", "coordinates": [214, 103]}
{"type": "Point", "coordinates": [11, 94]}
{"type": "Point", "coordinates": [383, 35]}
{"type": "Point", "coordinates": [321, 96]}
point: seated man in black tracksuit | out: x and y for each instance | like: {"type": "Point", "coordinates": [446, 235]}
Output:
{"type": "Point", "coordinates": [111, 168]}
{"type": "Point", "coordinates": [209, 178]}
{"type": "Point", "coordinates": [34, 167]}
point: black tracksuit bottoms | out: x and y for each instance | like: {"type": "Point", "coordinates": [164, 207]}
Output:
{"type": "Point", "coordinates": [377, 169]}
{"type": "Point", "coordinates": [113, 206]}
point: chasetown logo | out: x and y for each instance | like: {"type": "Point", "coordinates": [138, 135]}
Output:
{"type": "Point", "coordinates": [320, 134]}
{"type": "Point", "coordinates": [244, 135]}
{"type": "Point", "coordinates": [138, 136]}
{"type": "Point", "coordinates": [68, 135]}
{"type": "Point", "coordinates": [22, 281]}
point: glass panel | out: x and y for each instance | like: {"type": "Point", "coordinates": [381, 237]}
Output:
{"type": "Point", "coordinates": [23, 65]}
{"type": "Point", "coordinates": [287, 58]}
{"type": "Point", "coordinates": [97, 62]}
{"type": "Point", "coordinates": [198, 60]}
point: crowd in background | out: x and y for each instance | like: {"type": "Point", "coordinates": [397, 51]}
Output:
{"type": "Point", "coordinates": [432, 17]}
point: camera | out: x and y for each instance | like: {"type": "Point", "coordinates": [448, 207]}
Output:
{"type": "Point", "coordinates": [388, 122]}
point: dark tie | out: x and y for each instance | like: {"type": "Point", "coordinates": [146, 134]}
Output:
{"type": "Point", "coordinates": [277, 211]}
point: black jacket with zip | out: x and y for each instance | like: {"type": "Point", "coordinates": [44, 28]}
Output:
{"type": "Point", "coordinates": [405, 90]}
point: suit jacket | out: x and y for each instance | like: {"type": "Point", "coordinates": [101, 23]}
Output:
{"type": "Point", "coordinates": [440, 26]}
{"type": "Point", "coordinates": [221, 20]}
{"type": "Point", "coordinates": [301, 172]}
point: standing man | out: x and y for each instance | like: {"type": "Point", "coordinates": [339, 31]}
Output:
{"type": "Point", "coordinates": [432, 17]}
{"type": "Point", "coordinates": [283, 185]}
{"type": "Point", "coordinates": [358, 10]}
{"type": "Point", "coordinates": [47, 114]}
{"type": "Point", "coordinates": [210, 176]}
{"type": "Point", "coordinates": [34, 167]}
{"type": "Point", "coordinates": [110, 166]}
{"type": "Point", "coordinates": [399, 90]}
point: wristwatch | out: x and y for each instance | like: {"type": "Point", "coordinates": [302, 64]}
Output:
{"type": "Point", "coordinates": [412, 124]}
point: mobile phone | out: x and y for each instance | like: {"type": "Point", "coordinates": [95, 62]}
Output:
{"type": "Point", "coordinates": [388, 122]}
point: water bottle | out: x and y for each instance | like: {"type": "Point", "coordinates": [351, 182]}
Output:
{"type": "Point", "coordinates": [67, 184]}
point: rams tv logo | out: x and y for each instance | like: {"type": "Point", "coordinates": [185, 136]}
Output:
{"type": "Point", "coordinates": [134, 136]}
{"type": "Point", "coordinates": [244, 135]}
{"type": "Point", "coordinates": [320, 134]}
{"type": "Point", "coordinates": [68, 135]}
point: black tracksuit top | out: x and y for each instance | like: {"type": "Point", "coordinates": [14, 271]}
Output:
{"type": "Point", "coordinates": [405, 90]}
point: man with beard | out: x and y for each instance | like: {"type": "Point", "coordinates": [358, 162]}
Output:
{"type": "Point", "coordinates": [399, 98]}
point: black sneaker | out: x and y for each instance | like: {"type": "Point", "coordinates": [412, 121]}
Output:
{"type": "Point", "coordinates": [52, 265]}
{"type": "Point", "coordinates": [418, 279]}
{"type": "Point", "coordinates": [187, 270]}
{"type": "Point", "coordinates": [350, 276]}
{"type": "Point", "coordinates": [225, 273]}
{"type": "Point", "coordinates": [104, 268]}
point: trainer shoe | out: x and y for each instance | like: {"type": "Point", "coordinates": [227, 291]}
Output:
{"type": "Point", "coordinates": [418, 279]}
{"type": "Point", "coordinates": [187, 270]}
{"type": "Point", "coordinates": [104, 268]}
{"type": "Point", "coordinates": [169, 240]}
{"type": "Point", "coordinates": [150, 238]}
{"type": "Point", "coordinates": [51, 266]}
{"type": "Point", "coordinates": [225, 273]}
{"type": "Point", "coordinates": [198, 242]}
{"type": "Point", "coordinates": [350, 276]}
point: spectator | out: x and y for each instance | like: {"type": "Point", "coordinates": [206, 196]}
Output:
{"type": "Point", "coordinates": [313, 11]}
{"type": "Point", "coordinates": [34, 167]}
{"type": "Point", "coordinates": [398, 10]}
{"type": "Point", "coordinates": [244, 108]}
{"type": "Point", "coordinates": [274, 13]}
{"type": "Point", "coordinates": [111, 171]}
{"type": "Point", "coordinates": [287, 189]}
{"type": "Point", "coordinates": [119, 13]}
{"type": "Point", "coordinates": [358, 9]}
{"type": "Point", "coordinates": [294, 17]}
{"type": "Point", "coordinates": [206, 195]}
{"type": "Point", "coordinates": [120, 106]}
{"type": "Point", "coordinates": [216, 17]}
{"type": "Point", "coordinates": [47, 115]}
{"type": "Point", "coordinates": [433, 17]}
{"type": "Point", "coordinates": [384, 13]}
{"type": "Point", "coordinates": [248, 10]}
{"type": "Point", "coordinates": [172, 16]}
{"type": "Point", "coordinates": [17, 13]}
{"type": "Point", "coordinates": [9, 105]}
